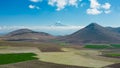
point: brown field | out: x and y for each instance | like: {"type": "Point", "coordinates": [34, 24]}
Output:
{"type": "Point", "coordinates": [52, 55]}
{"type": "Point", "coordinates": [117, 65]}
{"type": "Point", "coordinates": [38, 64]}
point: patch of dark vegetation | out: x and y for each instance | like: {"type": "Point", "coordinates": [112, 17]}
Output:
{"type": "Point", "coordinates": [50, 49]}
{"type": "Point", "coordinates": [117, 65]}
{"type": "Point", "coordinates": [16, 57]}
{"type": "Point", "coordinates": [38, 64]}
{"type": "Point", "coordinates": [112, 55]}
{"type": "Point", "coordinates": [93, 46]}
{"type": "Point", "coordinates": [115, 45]}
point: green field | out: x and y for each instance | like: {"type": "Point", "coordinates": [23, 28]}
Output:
{"type": "Point", "coordinates": [96, 46]}
{"type": "Point", "coordinates": [18, 57]}
{"type": "Point", "coordinates": [113, 55]}
{"type": "Point", "coordinates": [115, 45]}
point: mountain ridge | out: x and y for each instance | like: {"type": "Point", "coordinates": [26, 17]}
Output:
{"type": "Point", "coordinates": [93, 33]}
{"type": "Point", "coordinates": [27, 34]}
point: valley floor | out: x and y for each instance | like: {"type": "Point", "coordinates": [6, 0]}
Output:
{"type": "Point", "coordinates": [71, 58]}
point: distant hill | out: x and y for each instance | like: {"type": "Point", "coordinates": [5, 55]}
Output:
{"type": "Point", "coordinates": [27, 34]}
{"type": "Point", "coordinates": [93, 33]}
{"type": "Point", "coordinates": [59, 24]}
{"type": "Point", "coordinates": [114, 29]}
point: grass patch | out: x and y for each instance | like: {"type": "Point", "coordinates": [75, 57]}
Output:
{"type": "Point", "coordinates": [17, 57]}
{"type": "Point", "coordinates": [63, 44]}
{"type": "Point", "coordinates": [115, 45]}
{"type": "Point", "coordinates": [113, 55]}
{"type": "Point", "coordinates": [97, 46]}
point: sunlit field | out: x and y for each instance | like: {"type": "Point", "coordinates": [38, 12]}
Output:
{"type": "Point", "coordinates": [87, 56]}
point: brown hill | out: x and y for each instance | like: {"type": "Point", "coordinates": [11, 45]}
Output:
{"type": "Point", "coordinates": [26, 34]}
{"type": "Point", "coordinates": [93, 33]}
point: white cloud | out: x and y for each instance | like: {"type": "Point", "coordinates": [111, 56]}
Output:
{"type": "Point", "coordinates": [40, 27]}
{"type": "Point", "coordinates": [94, 4]}
{"type": "Point", "coordinates": [36, 1]}
{"type": "Point", "coordinates": [106, 6]}
{"type": "Point", "coordinates": [94, 8]}
{"type": "Point", "coordinates": [97, 8]}
{"type": "Point", "coordinates": [73, 2]}
{"type": "Point", "coordinates": [61, 4]}
{"type": "Point", "coordinates": [93, 11]}
{"type": "Point", "coordinates": [33, 7]}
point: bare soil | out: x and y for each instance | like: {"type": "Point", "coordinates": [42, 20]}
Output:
{"type": "Point", "coordinates": [38, 64]}
{"type": "Point", "coordinates": [113, 66]}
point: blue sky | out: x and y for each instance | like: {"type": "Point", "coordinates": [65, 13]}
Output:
{"type": "Point", "coordinates": [74, 13]}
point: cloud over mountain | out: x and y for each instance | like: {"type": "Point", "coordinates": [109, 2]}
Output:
{"type": "Point", "coordinates": [56, 29]}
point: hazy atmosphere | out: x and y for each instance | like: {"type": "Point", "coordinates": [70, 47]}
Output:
{"type": "Point", "coordinates": [61, 16]}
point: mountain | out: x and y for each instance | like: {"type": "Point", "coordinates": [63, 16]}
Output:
{"type": "Point", "coordinates": [27, 34]}
{"type": "Point", "coordinates": [59, 24]}
{"type": "Point", "coordinates": [93, 33]}
{"type": "Point", "coordinates": [25, 31]}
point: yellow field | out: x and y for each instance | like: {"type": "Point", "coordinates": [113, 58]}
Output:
{"type": "Point", "coordinates": [72, 58]}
